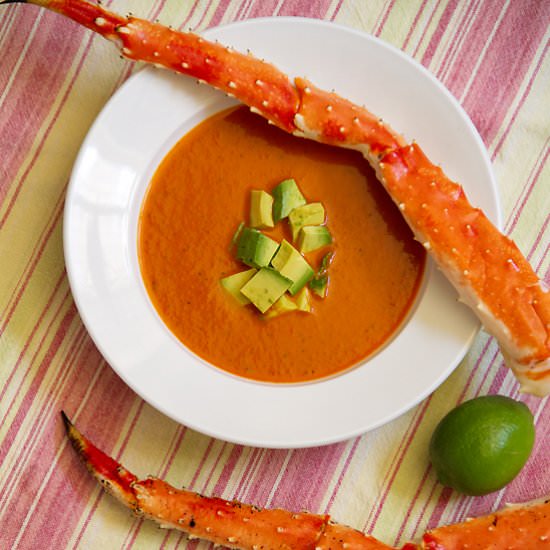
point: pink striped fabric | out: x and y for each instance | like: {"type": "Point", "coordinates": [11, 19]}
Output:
{"type": "Point", "coordinates": [54, 78]}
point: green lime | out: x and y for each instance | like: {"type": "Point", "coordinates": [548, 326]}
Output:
{"type": "Point", "coordinates": [481, 445]}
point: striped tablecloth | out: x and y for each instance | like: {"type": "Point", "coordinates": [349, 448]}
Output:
{"type": "Point", "coordinates": [54, 79]}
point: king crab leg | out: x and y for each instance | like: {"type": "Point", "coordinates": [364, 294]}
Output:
{"type": "Point", "coordinates": [242, 526]}
{"type": "Point", "coordinates": [490, 274]}
{"type": "Point", "coordinates": [261, 86]}
{"type": "Point", "coordinates": [516, 527]}
{"type": "Point", "coordinates": [229, 523]}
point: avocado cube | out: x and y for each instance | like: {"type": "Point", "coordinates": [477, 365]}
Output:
{"type": "Point", "coordinates": [292, 265]}
{"type": "Point", "coordinates": [234, 283]}
{"type": "Point", "coordinates": [286, 197]}
{"type": "Point", "coordinates": [319, 286]}
{"type": "Point", "coordinates": [313, 237]}
{"type": "Point", "coordinates": [255, 249]}
{"type": "Point", "coordinates": [283, 305]}
{"type": "Point", "coordinates": [261, 209]}
{"type": "Point", "coordinates": [309, 214]}
{"type": "Point", "coordinates": [265, 288]}
{"type": "Point", "coordinates": [302, 300]}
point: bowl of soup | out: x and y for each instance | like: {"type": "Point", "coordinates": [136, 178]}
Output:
{"type": "Point", "coordinates": [198, 196]}
{"type": "Point", "coordinates": [163, 180]}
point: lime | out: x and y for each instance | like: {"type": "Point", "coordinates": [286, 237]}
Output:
{"type": "Point", "coordinates": [481, 445]}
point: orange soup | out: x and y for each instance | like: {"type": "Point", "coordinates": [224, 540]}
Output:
{"type": "Point", "coordinates": [196, 200]}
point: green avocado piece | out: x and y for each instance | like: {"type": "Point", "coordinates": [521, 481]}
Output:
{"type": "Point", "coordinates": [319, 285]}
{"type": "Point", "coordinates": [261, 209]}
{"type": "Point", "coordinates": [313, 237]}
{"type": "Point", "coordinates": [265, 288]}
{"type": "Point", "coordinates": [308, 214]}
{"type": "Point", "coordinates": [283, 305]}
{"type": "Point", "coordinates": [302, 300]}
{"type": "Point", "coordinates": [292, 265]}
{"type": "Point", "coordinates": [286, 197]}
{"type": "Point", "coordinates": [255, 249]}
{"type": "Point", "coordinates": [234, 283]}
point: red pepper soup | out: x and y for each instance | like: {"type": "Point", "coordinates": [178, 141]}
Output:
{"type": "Point", "coordinates": [198, 197]}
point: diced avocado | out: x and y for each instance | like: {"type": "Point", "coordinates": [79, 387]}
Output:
{"type": "Point", "coordinates": [265, 288]}
{"type": "Point", "coordinates": [286, 197]}
{"type": "Point", "coordinates": [261, 209]}
{"type": "Point", "coordinates": [302, 300]}
{"type": "Point", "coordinates": [308, 214]}
{"type": "Point", "coordinates": [292, 265]}
{"type": "Point", "coordinates": [234, 283]}
{"type": "Point", "coordinates": [313, 237]}
{"type": "Point", "coordinates": [255, 249]}
{"type": "Point", "coordinates": [283, 305]}
{"type": "Point", "coordinates": [319, 285]}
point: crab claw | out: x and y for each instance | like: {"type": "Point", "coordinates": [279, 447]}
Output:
{"type": "Point", "coordinates": [114, 478]}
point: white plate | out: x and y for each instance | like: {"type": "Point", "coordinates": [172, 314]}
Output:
{"type": "Point", "coordinates": [128, 140]}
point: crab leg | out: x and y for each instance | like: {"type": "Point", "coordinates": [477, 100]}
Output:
{"type": "Point", "coordinates": [237, 525]}
{"type": "Point", "coordinates": [526, 526]}
{"type": "Point", "coordinates": [489, 272]}
{"type": "Point", "coordinates": [256, 83]}
{"type": "Point", "coordinates": [487, 269]}
{"type": "Point", "coordinates": [229, 523]}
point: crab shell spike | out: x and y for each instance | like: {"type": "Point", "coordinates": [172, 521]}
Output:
{"type": "Point", "coordinates": [488, 285]}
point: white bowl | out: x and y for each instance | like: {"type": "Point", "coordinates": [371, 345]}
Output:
{"type": "Point", "coordinates": [136, 129]}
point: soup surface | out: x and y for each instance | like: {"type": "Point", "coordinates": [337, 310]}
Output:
{"type": "Point", "coordinates": [197, 198]}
